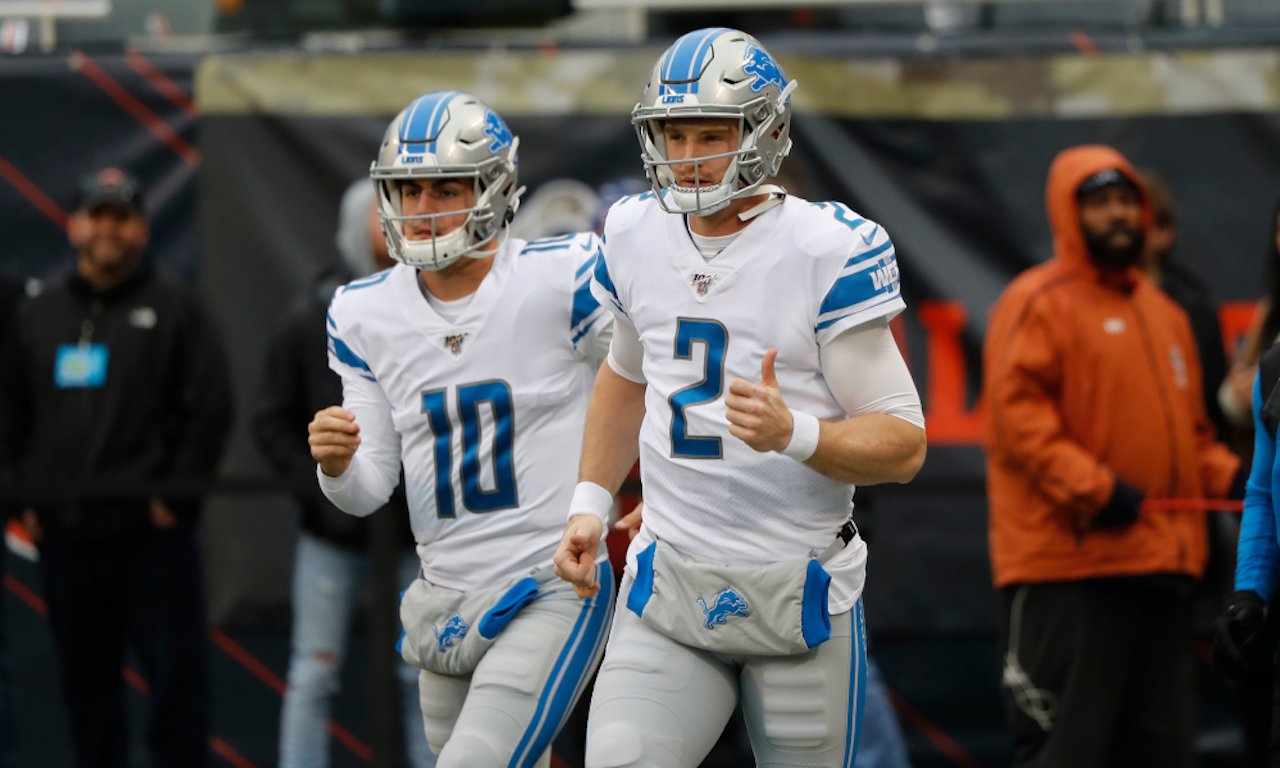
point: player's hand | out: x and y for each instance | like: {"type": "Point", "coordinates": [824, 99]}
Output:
{"type": "Point", "coordinates": [575, 560]}
{"type": "Point", "coordinates": [631, 521]}
{"type": "Point", "coordinates": [334, 436]}
{"type": "Point", "coordinates": [757, 416]}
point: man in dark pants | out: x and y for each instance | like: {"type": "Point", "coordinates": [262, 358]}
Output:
{"type": "Point", "coordinates": [1096, 430]}
{"type": "Point", "coordinates": [115, 404]}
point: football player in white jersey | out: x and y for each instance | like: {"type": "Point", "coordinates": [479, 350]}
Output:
{"type": "Point", "coordinates": [753, 371]}
{"type": "Point", "coordinates": [469, 364]}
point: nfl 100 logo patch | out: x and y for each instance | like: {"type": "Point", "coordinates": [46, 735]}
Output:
{"type": "Point", "coordinates": [702, 281]}
{"type": "Point", "coordinates": [725, 604]}
{"type": "Point", "coordinates": [453, 342]}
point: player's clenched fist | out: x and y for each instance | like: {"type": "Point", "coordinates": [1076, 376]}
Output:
{"type": "Point", "coordinates": [334, 436]}
{"type": "Point", "coordinates": [575, 560]}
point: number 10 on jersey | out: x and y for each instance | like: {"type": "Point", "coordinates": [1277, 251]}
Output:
{"type": "Point", "coordinates": [496, 395]}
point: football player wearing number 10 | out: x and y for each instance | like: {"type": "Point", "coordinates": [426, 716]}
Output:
{"type": "Point", "coordinates": [470, 363]}
{"type": "Point", "coordinates": [753, 371]}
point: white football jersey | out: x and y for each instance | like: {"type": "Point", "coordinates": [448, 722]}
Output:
{"type": "Point", "coordinates": [486, 412]}
{"type": "Point", "coordinates": [796, 278]}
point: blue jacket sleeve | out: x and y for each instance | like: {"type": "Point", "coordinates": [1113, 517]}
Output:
{"type": "Point", "coordinates": [1258, 553]}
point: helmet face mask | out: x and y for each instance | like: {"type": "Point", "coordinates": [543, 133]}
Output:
{"type": "Point", "coordinates": [715, 73]}
{"type": "Point", "coordinates": [447, 135]}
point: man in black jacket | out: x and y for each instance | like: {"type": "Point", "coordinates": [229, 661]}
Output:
{"type": "Point", "coordinates": [115, 403]}
{"type": "Point", "coordinates": [331, 565]}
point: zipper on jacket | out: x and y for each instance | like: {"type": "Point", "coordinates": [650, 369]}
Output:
{"type": "Point", "coordinates": [1148, 344]}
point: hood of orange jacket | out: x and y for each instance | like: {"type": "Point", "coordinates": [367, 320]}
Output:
{"type": "Point", "coordinates": [1069, 170]}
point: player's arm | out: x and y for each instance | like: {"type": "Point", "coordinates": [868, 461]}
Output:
{"type": "Point", "coordinates": [882, 440]}
{"type": "Point", "coordinates": [610, 446]}
{"type": "Point", "coordinates": [356, 448]}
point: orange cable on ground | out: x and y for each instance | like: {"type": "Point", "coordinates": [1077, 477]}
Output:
{"type": "Point", "coordinates": [130, 103]}
{"type": "Point", "coordinates": [165, 86]}
{"type": "Point", "coordinates": [936, 736]}
{"type": "Point", "coordinates": [276, 683]}
{"type": "Point", "coordinates": [223, 750]}
{"type": "Point", "coordinates": [34, 194]}
{"type": "Point", "coordinates": [23, 593]}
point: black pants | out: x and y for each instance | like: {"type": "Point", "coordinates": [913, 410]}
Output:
{"type": "Point", "coordinates": [1099, 674]}
{"type": "Point", "coordinates": [144, 594]}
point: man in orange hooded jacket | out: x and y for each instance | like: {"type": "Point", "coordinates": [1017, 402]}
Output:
{"type": "Point", "coordinates": [1094, 406]}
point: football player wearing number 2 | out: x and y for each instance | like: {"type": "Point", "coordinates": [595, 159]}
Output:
{"type": "Point", "coordinates": [470, 364]}
{"type": "Point", "coordinates": [753, 371]}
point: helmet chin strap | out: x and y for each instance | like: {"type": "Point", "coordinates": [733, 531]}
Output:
{"type": "Point", "coordinates": [776, 195]}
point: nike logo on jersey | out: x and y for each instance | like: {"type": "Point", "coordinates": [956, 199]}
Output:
{"type": "Point", "coordinates": [453, 342]}
{"type": "Point", "coordinates": [727, 603]}
{"type": "Point", "coordinates": [868, 238]}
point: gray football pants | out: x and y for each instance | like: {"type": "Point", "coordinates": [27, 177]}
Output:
{"type": "Point", "coordinates": [660, 704]}
{"type": "Point", "coordinates": [508, 710]}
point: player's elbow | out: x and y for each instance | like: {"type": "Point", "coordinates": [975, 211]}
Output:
{"type": "Point", "coordinates": [910, 465]}
{"type": "Point", "coordinates": [904, 454]}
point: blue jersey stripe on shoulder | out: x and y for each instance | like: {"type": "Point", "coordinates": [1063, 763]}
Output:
{"type": "Point", "coordinates": [879, 249]}
{"type": "Point", "coordinates": [374, 279]}
{"type": "Point", "coordinates": [347, 356]}
{"type": "Point", "coordinates": [328, 318]}
{"type": "Point", "coordinates": [602, 277]}
{"type": "Point", "coordinates": [585, 329]}
{"type": "Point", "coordinates": [584, 303]}
{"type": "Point", "coordinates": [586, 265]}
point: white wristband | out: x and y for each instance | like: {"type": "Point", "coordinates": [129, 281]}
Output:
{"type": "Point", "coordinates": [591, 499]}
{"type": "Point", "coordinates": [804, 436]}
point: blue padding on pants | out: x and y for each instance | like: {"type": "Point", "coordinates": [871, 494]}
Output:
{"type": "Point", "coordinates": [642, 589]}
{"type": "Point", "coordinates": [500, 615]}
{"type": "Point", "coordinates": [815, 620]}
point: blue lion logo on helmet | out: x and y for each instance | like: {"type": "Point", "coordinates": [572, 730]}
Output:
{"type": "Point", "coordinates": [727, 603]}
{"type": "Point", "coordinates": [454, 629]}
{"type": "Point", "coordinates": [497, 130]}
{"type": "Point", "coordinates": [763, 68]}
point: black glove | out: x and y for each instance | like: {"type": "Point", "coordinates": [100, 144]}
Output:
{"type": "Point", "coordinates": [1121, 508]}
{"type": "Point", "coordinates": [1243, 641]}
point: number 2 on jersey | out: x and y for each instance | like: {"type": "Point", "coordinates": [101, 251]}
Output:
{"type": "Point", "coordinates": [470, 396]}
{"type": "Point", "coordinates": [715, 340]}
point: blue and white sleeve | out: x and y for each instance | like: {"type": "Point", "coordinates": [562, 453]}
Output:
{"type": "Point", "coordinates": [375, 469]}
{"type": "Point", "coordinates": [1258, 553]}
{"type": "Point", "coordinates": [590, 323]}
{"type": "Point", "coordinates": [865, 288]}
{"type": "Point", "coordinates": [603, 288]}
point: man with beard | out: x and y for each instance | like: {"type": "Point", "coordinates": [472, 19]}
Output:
{"type": "Point", "coordinates": [115, 402]}
{"type": "Point", "coordinates": [1096, 429]}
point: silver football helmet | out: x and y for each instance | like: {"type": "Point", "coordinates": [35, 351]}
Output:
{"type": "Point", "coordinates": [447, 134]}
{"type": "Point", "coordinates": [715, 72]}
